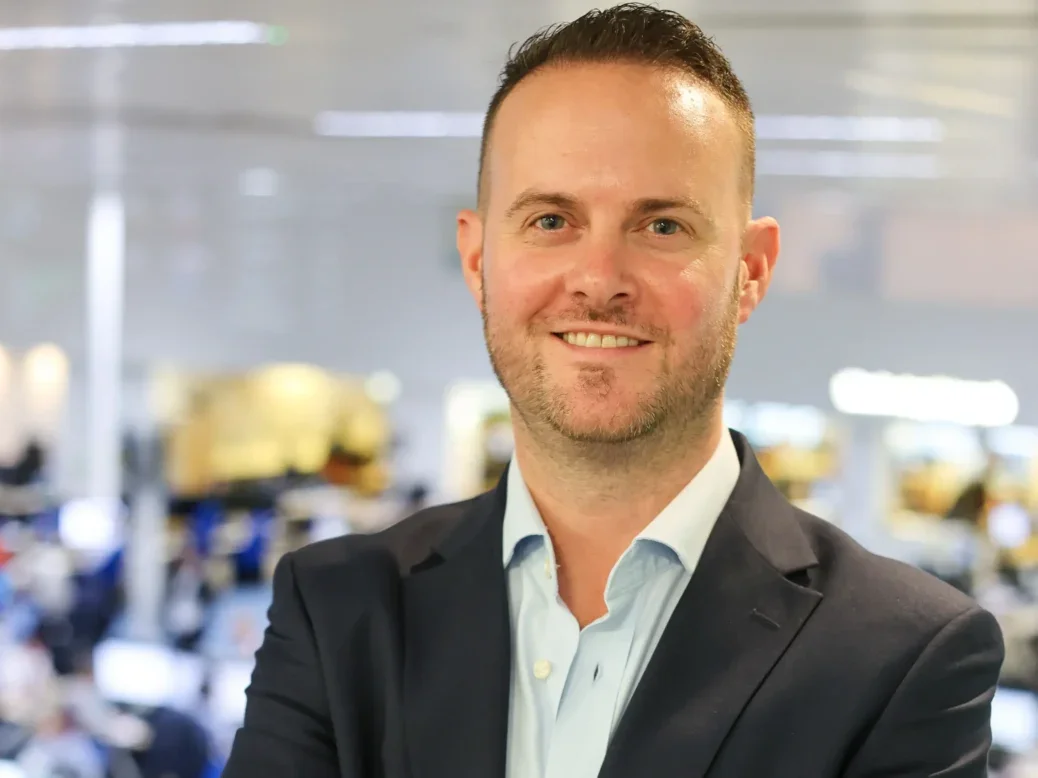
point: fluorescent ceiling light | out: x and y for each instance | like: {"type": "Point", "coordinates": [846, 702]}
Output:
{"type": "Point", "coordinates": [862, 129]}
{"type": "Point", "coordinates": [925, 399]}
{"type": "Point", "coordinates": [847, 164]}
{"type": "Point", "coordinates": [770, 162]}
{"type": "Point", "coordinates": [398, 124]}
{"type": "Point", "coordinates": [111, 36]}
{"type": "Point", "coordinates": [446, 124]}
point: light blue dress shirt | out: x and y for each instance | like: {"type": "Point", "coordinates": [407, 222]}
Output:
{"type": "Point", "coordinates": [571, 686]}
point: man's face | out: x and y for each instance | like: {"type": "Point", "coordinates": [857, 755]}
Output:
{"type": "Point", "coordinates": [610, 260]}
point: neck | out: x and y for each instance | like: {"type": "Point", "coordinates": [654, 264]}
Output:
{"type": "Point", "coordinates": [605, 494]}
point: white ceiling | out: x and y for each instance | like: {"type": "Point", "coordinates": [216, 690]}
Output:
{"type": "Point", "coordinates": [349, 263]}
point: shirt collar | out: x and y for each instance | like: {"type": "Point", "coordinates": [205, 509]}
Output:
{"type": "Point", "coordinates": [686, 523]}
{"type": "Point", "coordinates": [683, 526]}
{"type": "Point", "coordinates": [522, 519]}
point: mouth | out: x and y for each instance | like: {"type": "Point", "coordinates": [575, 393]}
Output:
{"type": "Point", "coordinates": [595, 340]}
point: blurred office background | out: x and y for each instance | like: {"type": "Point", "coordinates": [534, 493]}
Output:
{"type": "Point", "coordinates": [231, 321]}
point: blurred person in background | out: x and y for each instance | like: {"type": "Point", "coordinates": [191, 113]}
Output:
{"type": "Point", "coordinates": [180, 747]}
{"type": "Point", "coordinates": [45, 573]}
{"type": "Point", "coordinates": [61, 750]}
{"type": "Point", "coordinates": [635, 598]}
{"type": "Point", "coordinates": [188, 596]}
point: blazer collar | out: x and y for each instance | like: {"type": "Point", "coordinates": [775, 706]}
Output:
{"type": "Point", "coordinates": [765, 517]}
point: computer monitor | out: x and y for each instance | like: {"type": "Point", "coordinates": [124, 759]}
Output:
{"type": "Point", "coordinates": [1014, 720]}
{"type": "Point", "coordinates": [147, 675]}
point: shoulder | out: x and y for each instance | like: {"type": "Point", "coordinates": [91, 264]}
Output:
{"type": "Point", "coordinates": [873, 591]}
{"type": "Point", "coordinates": [880, 620]}
{"type": "Point", "coordinates": [391, 552]}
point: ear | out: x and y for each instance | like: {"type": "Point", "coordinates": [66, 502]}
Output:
{"type": "Point", "coordinates": [760, 250]}
{"type": "Point", "coordinates": [470, 250]}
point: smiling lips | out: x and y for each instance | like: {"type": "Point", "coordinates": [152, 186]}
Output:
{"type": "Point", "coordinates": [595, 340]}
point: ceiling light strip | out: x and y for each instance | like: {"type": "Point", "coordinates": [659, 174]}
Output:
{"type": "Point", "coordinates": [446, 124]}
{"type": "Point", "coordinates": [848, 164]}
{"type": "Point", "coordinates": [111, 36]}
{"type": "Point", "coordinates": [938, 399]}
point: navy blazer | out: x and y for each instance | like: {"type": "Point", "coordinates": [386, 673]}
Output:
{"type": "Point", "coordinates": [793, 652]}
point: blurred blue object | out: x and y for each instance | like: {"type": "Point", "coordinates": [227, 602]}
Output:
{"type": "Point", "coordinates": [110, 572]}
{"type": "Point", "coordinates": [6, 592]}
{"type": "Point", "coordinates": [206, 519]}
{"type": "Point", "coordinates": [248, 561]}
{"type": "Point", "coordinates": [46, 524]}
{"type": "Point", "coordinates": [21, 620]}
{"type": "Point", "coordinates": [180, 747]}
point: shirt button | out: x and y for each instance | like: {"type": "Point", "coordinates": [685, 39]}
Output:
{"type": "Point", "coordinates": [541, 669]}
{"type": "Point", "coordinates": [547, 567]}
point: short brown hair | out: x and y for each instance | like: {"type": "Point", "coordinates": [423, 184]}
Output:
{"type": "Point", "coordinates": [635, 33]}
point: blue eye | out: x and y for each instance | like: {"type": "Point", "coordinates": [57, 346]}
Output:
{"type": "Point", "coordinates": [551, 222]}
{"type": "Point", "coordinates": [664, 227]}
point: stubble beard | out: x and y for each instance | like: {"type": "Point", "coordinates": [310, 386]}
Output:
{"type": "Point", "coordinates": [679, 408]}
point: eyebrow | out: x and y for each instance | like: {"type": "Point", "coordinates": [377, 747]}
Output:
{"type": "Point", "coordinates": [642, 207]}
{"type": "Point", "coordinates": [532, 197]}
{"type": "Point", "coordinates": [650, 205]}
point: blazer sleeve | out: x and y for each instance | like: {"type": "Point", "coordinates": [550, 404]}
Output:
{"type": "Point", "coordinates": [287, 730]}
{"type": "Point", "coordinates": [938, 722]}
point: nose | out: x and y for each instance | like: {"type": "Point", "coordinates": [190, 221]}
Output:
{"type": "Point", "coordinates": [601, 275]}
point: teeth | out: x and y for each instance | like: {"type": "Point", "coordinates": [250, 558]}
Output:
{"type": "Point", "coordinates": [593, 340]}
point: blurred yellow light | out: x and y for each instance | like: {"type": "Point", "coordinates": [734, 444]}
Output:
{"type": "Point", "coordinates": [292, 382]}
{"type": "Point", "coordinates": [44, 387]}
{"type": "Point", "coordinates": [46, 368]}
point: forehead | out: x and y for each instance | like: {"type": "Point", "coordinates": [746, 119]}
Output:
{"type": "Point", "coordinates": [622, 129]}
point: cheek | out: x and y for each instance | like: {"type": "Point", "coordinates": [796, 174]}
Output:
{"type": "Point", "coordinates": [515, 295]}
{"type": "Point", "coordinates": [688, 303]}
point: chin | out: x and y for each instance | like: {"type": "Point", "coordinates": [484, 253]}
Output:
{"type": "Point", "coordinates": [603, 434]}
{"type": "Point", "coordinates": [617, 424]}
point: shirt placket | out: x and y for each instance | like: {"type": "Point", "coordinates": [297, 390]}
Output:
{"type": "Point", "coordinates": [591, 688]}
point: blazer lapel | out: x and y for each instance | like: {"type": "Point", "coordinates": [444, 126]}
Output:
{"type": "Point", "coordinates": [457, 666]}
{"type": "Point", "coordinates": [732, 625]}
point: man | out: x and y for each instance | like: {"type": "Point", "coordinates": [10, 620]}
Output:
{"type": "Point", "coordinates": [635, 598]}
